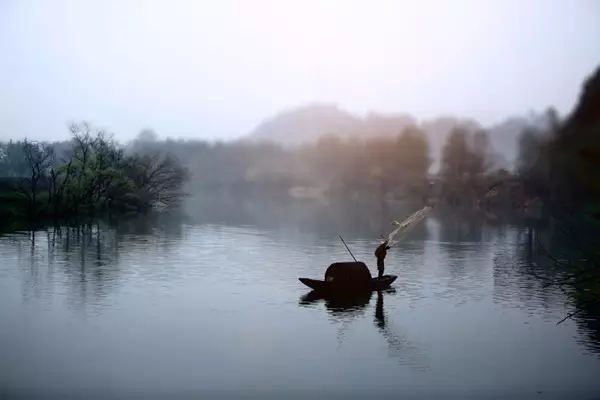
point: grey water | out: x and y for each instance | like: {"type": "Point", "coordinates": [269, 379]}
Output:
{"type": "Point", "coordinates": [178, 308]}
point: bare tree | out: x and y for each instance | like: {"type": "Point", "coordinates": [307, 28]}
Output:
{"type": "Point", "coordinates": [38, 158]}
{"type": "Point", "coordinates": [159, 178]}
{"type": "Point", "coordinates": [59, 180]}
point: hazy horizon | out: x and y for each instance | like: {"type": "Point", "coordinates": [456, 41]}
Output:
{"type": "Point", "coordinates": [186, 69]}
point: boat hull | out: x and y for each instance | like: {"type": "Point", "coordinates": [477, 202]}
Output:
{"type": "Point", "coordinates": [330, 287]}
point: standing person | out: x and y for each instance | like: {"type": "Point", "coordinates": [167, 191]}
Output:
{"type": "Point", "coordinates": [380, 253]}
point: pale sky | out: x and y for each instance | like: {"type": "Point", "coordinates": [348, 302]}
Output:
{"type": "Point", "coordinates": [215, 69]}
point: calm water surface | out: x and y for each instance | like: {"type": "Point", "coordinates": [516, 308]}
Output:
{"type": "Point", "coordinates": [214, 310]}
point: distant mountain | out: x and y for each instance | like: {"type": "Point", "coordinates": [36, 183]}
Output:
{"type": "Point", "coordinates": [307, 123]}
{"type": "Point", "coordinates": [378, 124]}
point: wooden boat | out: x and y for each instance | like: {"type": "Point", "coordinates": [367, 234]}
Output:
{"type": "Point", "coordinates": [323, 286]}
{"type": "Point", "coordinates": [348, 277]}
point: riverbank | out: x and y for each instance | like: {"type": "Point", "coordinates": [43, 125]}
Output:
{"type": "Point", "coordinates": [18, 210]}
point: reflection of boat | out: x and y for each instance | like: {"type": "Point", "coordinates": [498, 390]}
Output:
{"type": "Point", "coordinates": [342, 307]}
{"type": "Point", "coordinates": [349, 277]}
{"type": "Point", "coordinates": [339, 305]}
{"type": "Point", "coordinates": [345, 308]}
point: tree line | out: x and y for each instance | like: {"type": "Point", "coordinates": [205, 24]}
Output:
{"type": "Point", "coordinates": [561, 164]}
{"type": "Point", "coordinates": [343, 166]}
{"type": "Point", "coordinates": [92, 173]}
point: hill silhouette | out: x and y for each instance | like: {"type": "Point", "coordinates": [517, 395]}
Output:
{"type": "Point", "coordinates": [306, 123]}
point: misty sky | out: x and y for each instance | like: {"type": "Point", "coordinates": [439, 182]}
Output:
{"type": "Point", "coordinates": [215, 69]}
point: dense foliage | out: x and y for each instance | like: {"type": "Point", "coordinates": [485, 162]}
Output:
{"type": "Point", "coordinates": [88, 175]}
{"type": "Point", "coordinates": [561, 166]}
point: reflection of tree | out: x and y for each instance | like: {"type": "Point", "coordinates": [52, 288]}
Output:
{"type": "Point", "coordinates": [463, 247]}
{"type": "Point", "coordinates": [521, 275]}
{"type": "Point", "coordinates": [88, 256]}
{"type": "Point", "coordinates": [76, 260]}
{"type": "Point", "coordinates": [554, 265]}
{"type": "Point", "coordinates": [30, 249]}
{"type": "Point", "coordinates": [84, 260]}
{"type": "Point", "coordinates": [457, 226]}
{"type": "Point", "coordinates": [148, 225]}
{"type": "Point", "coordinates": [588, 324]}
{"type": "Point", "coordinates": [369, 218]}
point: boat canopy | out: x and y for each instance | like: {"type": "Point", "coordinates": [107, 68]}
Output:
{"type": "Point", "coordinates": [353, 273]}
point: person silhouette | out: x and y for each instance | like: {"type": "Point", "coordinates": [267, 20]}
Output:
{"type": "Point", "coordinates": [380, 254]}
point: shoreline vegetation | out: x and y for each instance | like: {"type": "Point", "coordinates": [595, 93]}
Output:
{"type": "Point", "coordinates": [92, 175]}
{"type": "Point", "coordinates": [88, 177]}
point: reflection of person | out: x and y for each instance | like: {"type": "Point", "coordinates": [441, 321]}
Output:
{"type": "Point", "coordinates": [379, 315]}
{"type": "Point", "coordinates": [380, 253]}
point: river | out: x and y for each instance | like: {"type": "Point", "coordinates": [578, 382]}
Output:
{"type": "Point", "coordinates": [181, 308]}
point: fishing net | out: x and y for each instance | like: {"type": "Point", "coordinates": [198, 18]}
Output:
{"type": "Point", "coordinates": [402, 228]}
